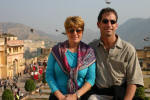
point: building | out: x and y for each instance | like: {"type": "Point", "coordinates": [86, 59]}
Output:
{"type": "Point", "coordinates": [11, 56]}
{"type": "Point", "coordinates": [144, 57]}
{"type": "Point", "coordinates": [33, 48]}
{"type": "Point", "coordinates": [33, 45]}
{"type": "Point", "coordinates": [46, 51]}
{"type": "Point", "coordinates": [44, 54]}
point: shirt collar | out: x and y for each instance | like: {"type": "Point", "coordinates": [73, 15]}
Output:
{"type": "Point", "coordinates": [118, 43]}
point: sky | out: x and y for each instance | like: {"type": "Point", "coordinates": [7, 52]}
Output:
{"type": "Point", "coordinates": [49, 15]}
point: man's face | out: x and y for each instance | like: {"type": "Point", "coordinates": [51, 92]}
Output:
{"type": "Point", "coordinates": [108, 24]}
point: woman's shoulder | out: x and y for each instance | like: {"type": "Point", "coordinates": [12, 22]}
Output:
{"type": "Point", "coordinates": [56, 46]}
{"type": "Point", "coordinates": [94, 42]}
{"type": "Point", "coordinates": [85, 45]}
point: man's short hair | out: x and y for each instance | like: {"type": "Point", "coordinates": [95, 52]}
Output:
{"type": "Point", "coordinates": [107, 10]}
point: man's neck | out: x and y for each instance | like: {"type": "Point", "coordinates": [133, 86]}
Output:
{"type": "Point", "coordinates": [109, 42]}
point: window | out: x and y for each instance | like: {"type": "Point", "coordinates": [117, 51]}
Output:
{"type": "Point", "coordinates": [9, 50]}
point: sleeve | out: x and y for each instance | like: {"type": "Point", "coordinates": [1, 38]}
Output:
{"type": "Point", "coordinates": [134, 73]}
{"type": "Point", "coordinates": [50, 77]}
{"type": "Point", "coordinates": [91, 74]}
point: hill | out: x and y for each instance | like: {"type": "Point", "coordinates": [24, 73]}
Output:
{"type": "Point", "coordinates": [136, 31]}
{"type": "Point", "coordinates": [24, 32]}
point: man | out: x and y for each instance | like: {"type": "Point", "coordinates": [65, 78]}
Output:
{"type": "Point", "coordinates": [118, 70]}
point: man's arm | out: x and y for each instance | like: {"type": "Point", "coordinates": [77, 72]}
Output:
{"type": "Point", "coordinates": [130, 91]}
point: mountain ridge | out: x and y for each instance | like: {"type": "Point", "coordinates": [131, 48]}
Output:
{"type": "Point", "coordinates": [134, 30]}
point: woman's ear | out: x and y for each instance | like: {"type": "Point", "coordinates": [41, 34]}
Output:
{"type": "Point", "coordinates": [117, 25]}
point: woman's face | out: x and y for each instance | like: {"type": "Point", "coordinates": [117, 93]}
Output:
{"type": "Point", "coordinates": [74, 35]}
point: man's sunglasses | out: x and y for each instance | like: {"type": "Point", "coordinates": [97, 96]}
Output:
{"type": "Point", "coordinates": [105, 21]}
{"type": "Point", "coordinates": [73, 30]}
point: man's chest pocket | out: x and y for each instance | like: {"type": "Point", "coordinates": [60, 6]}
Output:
{"type": "Point", "coordinates": [119, 67]}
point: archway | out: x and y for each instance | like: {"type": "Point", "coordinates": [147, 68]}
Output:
{"type": "Point", "coordinates": [15, 67]}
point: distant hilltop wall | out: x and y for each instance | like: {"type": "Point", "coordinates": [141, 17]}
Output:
{"type": "Point", "coordinates": [33, 45]}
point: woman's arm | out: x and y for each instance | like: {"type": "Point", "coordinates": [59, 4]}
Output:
{"type": "Point", "coordinates": [50, 77]}
{"type": "Point", "coordinates": [89, 82]}
{"type": "Point", "coordinates": [59, 95]}
{"type": "Point", "coordinates": [79, 93]}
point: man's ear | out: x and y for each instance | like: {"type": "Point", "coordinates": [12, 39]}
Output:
{"type": "Point", "coordinates": [98, 24]}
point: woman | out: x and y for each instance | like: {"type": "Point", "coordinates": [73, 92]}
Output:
{"type": "Point", "coordinates": [71, 65]}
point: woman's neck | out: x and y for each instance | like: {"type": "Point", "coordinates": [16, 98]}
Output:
{"type": "Point", "coordinates": [73, 47]}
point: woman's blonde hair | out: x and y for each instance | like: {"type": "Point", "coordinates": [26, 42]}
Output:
{"type": "Point", "coordinates": [74, 22]}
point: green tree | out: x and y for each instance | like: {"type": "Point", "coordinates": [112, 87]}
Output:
{"type": "Point", "coordinates": [30, 85]}
{"type": "Point", "coordinates": [140, 92]}
{"type": "Point", "coordinates": [7, 95]}
{"type": "Point", "coordinates": [147, 98]}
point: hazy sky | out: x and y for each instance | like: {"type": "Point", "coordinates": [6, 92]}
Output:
{"type": "Point", "coordinates": [49, 15]}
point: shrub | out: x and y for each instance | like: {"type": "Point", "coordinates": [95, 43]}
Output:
{"type": "Point", "coordinates": [7, 95]}
{"type": "Point", "coordinates": [147, 98]}
{"type": "Point", "coordinates": [140, 92]}
{"type": "Point", "coordinates": [30, 85]}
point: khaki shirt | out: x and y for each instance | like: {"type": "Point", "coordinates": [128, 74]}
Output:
{"type": "Point", "coordinates": [118, 65]}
